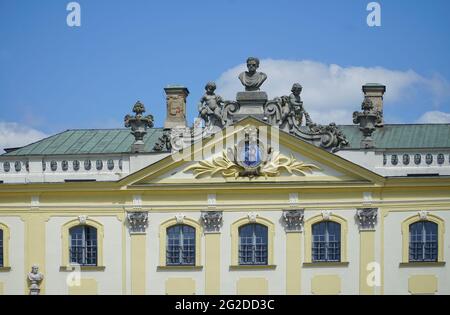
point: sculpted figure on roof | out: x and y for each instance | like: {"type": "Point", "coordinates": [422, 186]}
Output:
{"type": "Point", "coordinates": [252, 79]}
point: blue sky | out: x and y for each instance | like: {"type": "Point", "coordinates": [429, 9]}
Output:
{"type": "Point", "coordinates": [54, 77]}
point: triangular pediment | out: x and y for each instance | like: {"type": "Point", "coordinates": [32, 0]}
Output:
{"type": "Point", "coordinates": [291, 160]}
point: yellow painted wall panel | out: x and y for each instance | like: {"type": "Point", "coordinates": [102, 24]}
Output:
{"type": "Point", "coordinates": [326, 285]}
{"type": "Point", "coordinates": [138, 272]}
{"type": "Point", "coordinates": [252, 286]}
{"type": "Point", "coordinates": [367, 256]}
{"type": "Point", "coordinates": [180, 286]}
{"type": "Point", "coordinates": [212, 263]}
{"type": "Point", "coordinates": [86, 287]}
{"type": "Point", "coordinates": [293, 263]}
{"type": "Point", "coordinates": [422, 284]}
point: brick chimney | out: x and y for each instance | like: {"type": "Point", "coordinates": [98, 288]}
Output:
{"type": "Point", "coordinates": [375, 92]}
{"type": "Point", "coordinates": [176, 106]}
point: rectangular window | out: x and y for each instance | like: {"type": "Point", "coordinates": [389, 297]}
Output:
{"type": "Point", "coordinates": [253, 249]}
{"type": "Point", "coordinates": [326, 242]}
{"type": "Point", "coordinates": [180, 245]}
{"type": "Point", "coordinates": [423, 242]}
{"type": "Point", "coordinates": [83, 246]}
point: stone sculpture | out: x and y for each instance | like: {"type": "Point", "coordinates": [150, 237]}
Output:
{"type": "Point", "coordinates": [210, 107]}
{"type": "Point", "coordinates": [252, 79]}
{"type": "Point", "coordinates": [35, 278]}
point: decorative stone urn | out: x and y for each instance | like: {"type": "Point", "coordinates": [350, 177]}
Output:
{"type": "Point", "coordinates": [367, 120]}
{"type": "Point", "coordinates": [139, 125]}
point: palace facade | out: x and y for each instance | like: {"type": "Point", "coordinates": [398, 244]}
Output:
{"type": "Point", "coordinates": [255, 201]}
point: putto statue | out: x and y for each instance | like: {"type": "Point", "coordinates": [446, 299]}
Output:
{"type": "Point", "coordinates": [35, 278]}
{"type": "Point", "coordinates": [293, 110]}
{"type": "Point", "coordinates": [210, 107]}
{"type": "Point", "coordinates": [251, 79]}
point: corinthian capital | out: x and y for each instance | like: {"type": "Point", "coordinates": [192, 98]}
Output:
{"type": "Point", "coordinates": [137, 221]}
{"type": "Point", "coordinates": [367, 218]}
{"type": "Point", "coordinates": [212, 221]}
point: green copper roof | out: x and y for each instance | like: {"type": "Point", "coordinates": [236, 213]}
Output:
{"type": "Point", "coordinates": [116, 141]}
{"type": "Point", "coordinates": [89, 141]}
{"type": "Point", "coordinates": [419, 136]}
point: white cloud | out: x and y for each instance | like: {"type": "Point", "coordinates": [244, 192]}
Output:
{"type": "Point", "coordinates": [434, 117]}
{"type": "Point", "coordinates": [333, 89]}
{"type": "Point", "coordinates": [14, 135]}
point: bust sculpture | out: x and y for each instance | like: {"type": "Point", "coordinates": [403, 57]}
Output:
{"type": "Point", "coordinates": [251, 79]}
{"type": "Point", "coordinates": [35, 278]}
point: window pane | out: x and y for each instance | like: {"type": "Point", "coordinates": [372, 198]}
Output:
{"type": "Point", "coordinates": [173, 245]}
{"type": "Point", "coordinates": [319, 241]}
{"type": "Point", "coordinates": [188, 253]}
{"type": "Point", "coordinates": [334, 241]}
{"type": "Point", "coordinates": [431, 241]}
{"type": "Point", "coordinates": [416, 242]}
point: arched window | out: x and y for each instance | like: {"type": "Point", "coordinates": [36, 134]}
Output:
{"type": "Point", "coordinates": [253, 244]}
{"type": "Point", "coordinates": [326, 242]}
{"type": "Point", "coordinates": [180, 249]}
{"type": "Point", "coordinates": [1, 248]}
{"type": "Point", "coordinates": [83, 245]}
{"type": "Point", "coordinates": [423, 241]}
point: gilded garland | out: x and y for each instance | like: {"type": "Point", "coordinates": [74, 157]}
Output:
{"type": "Point", "coordinates": [228, 165]}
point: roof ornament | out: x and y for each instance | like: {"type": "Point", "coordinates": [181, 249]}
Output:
{"type": "Point", "coordinates": [139, 125]}
{"type": "Point", "coordinates": [286, 112]}
{"type": "Point", "coordinates": [367, 120]}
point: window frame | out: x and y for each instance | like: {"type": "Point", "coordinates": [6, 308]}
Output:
{"type": "Point", "coordinates": [308, 237]}
{"type": "Point", "coordinates": [6, 235]}
{"type": "Point", "coordinates": [181, 245]}
{"type": "Point", "coordinates": [421, 249]}
{"type": "Point", "coordinates": [235, 240]}
{"type": "Point", "coordinates": [254, 245]}
{"type": "Point", "coordinates": [84, 246]}
{"type": "Point", "coordinates": [326, 242]}
{"type": "Point", "coordinates": [65, 252]}
{"type": "Point", "coordinates": [163, 242]}
{"type": "Point", "coordinates": [405, 237]}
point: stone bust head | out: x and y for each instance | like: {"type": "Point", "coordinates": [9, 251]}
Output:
{"type": "Point", "coordinates": [251, 79]}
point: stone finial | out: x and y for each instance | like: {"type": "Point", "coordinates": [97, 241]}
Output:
{"type": "Point", "coordinates": [367, 218]}
{"type": "Point", "coordinates": [293, 220]}
{"type": "Point", "coordinates": [176, 106]}
{"type": "Point", "coordinates": [375, 93]}
{"type": "Point", "coordinates": [139, 125]}
{"type": "Point", "coordinates": [212, 221]}
{"type": "Point", "coordinates": [137, 221]}
{"type": "Point", "coordinates": [367, 120]}
{"type": "Point", "coordinates": [35, 278]}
